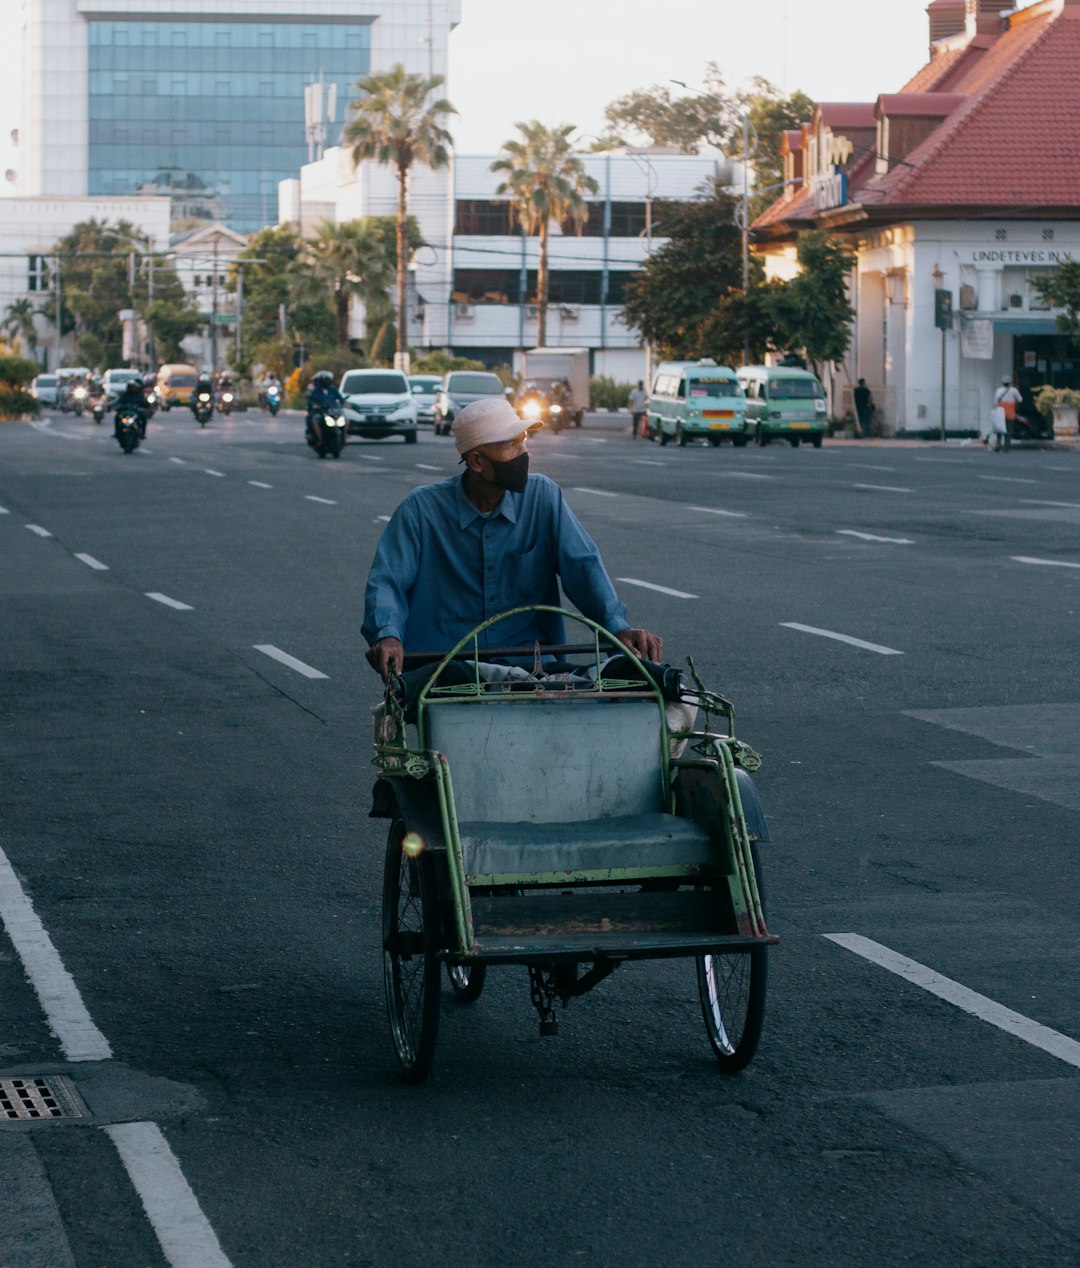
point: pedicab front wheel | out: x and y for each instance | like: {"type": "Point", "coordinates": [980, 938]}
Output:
{"type": "Point", "coordinates": [410, 951]}
{"type": "Point", "coordinates": [732, 990]}
{"type": "Point", "coordinates": [466, 981]}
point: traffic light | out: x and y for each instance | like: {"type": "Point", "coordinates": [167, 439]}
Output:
{"type": "Point", "coordinates": [943, 310]}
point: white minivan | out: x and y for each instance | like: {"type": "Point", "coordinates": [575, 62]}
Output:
{"type": "Point", "coordinates": [696, 400]}
{"type": "Point", "coordinates": [379, 403]}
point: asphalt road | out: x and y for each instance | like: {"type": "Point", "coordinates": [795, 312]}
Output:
{"type": "Point", "coordinates": [186, 816]}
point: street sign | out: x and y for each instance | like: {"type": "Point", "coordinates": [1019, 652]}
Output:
{"type": "Point", "coordinates": [943, 310]}
{"type": "Point", "coordinates": [224, 319]}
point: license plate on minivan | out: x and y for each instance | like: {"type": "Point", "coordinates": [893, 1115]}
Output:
{"type": "Point", "coordinates": [719, 427]}
{"type": "Point", "coordinates": [717, 413]}
{"type": "Point", "coordinates": [800, 426]}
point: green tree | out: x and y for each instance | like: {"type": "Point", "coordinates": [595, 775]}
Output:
{"type": "Point", "coordinates": [547, 182]}
{"type": "Point", "coordinates": [393, 122]}
{"type": "Point", "coordinates": [18, 324]}
{"type": "Point", "coordinates": [168, 323]}
{"type": "Point", "coordinates": [1062, 289]}
{"type": "Point", "coordinates": [271, 260]}
{"type": "Point", "coordinates": [674, 300]}
{"type": "Point", "coordinates": [96, 284]}
{"type": "Point", "coordinates": [15, 401]}
{"type": "Point", "coordinates": [341, 261]}
{"type": "Point", "coordinates": [812, 312]}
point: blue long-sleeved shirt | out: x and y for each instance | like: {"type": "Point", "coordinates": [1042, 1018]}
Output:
{"type": "Point", "coordinates": [442, 567]}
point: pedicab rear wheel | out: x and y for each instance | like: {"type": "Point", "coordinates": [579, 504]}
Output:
{"type": "Point", "coordinates": [410, 953]}
{"type": "Point", "coordinates": [732, 990]}
{"type": "Point", "coordinates": [466, 981]}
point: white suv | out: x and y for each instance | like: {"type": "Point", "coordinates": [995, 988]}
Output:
{"type": "Point", "coordinates": [379, 403]}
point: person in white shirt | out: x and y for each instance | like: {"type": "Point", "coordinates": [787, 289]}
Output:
{"type": "Point", "coordinates": [1006, 399]}
{"type": "Point", "coordinates": [637, 406]}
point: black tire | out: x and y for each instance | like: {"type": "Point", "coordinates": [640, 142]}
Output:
{"type": "Point", "coordinates": [410, 920]}
{"type": "Point", "coordinates": [410, 438]}
{"type": "Point", "coordinates": [129, 441]}
{"type": "Point", "coordinates": [333, 442]}
{"type": "Point", "coordinates": [793, 441]}
{"type": "Point", "coordinates": [732, 991]}
{"type": "Point", "coordinates": [739, 442]}
{"type": "Point", "coordinates": [466, 981]}
{"type": "Point", "coordinates": [680, 435]}
{"type": "Point", "coordinates": [579, 418]}
{"type": "Point", "coordinates": [663, 436]}
{"type": "Point", "coordinates": [760, 437]}
{"type": "Point", "coordinates": [714, 441]}
{"type": "Point", "coordinates": [816, 441]}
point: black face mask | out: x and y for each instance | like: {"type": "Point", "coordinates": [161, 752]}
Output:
{"type": "Point", "coordinates": [512, 475]}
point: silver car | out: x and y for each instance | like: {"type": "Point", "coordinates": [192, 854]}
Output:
{"type": "Point", "coordinates": [379, 403]}
{"type": "Point", "coordinates": [424, 387]}
{"type": "Point", "coordinates": [44, 387]}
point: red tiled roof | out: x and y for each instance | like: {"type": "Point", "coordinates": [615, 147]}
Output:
{"type": "Point", "coordinates": [793, 136]}
{"type": "Point", "coordinates": [920, 105]}
{"type": "Point", "coordinates": [847, 114]}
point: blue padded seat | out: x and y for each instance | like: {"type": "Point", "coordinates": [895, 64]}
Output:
{"type": "Point", "coordinates": [642, 841]}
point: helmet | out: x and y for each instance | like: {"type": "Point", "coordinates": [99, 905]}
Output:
{"type": "Point", "coordinates": [324, 378]}
{"type": "Point", "coordinates": [148, 380]}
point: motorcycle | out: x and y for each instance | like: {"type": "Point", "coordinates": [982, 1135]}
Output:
{"type": "Point", "coordinates": [98, 405]}
{"type": "Point", "coordinates": [225, 401]}
{"type": "Point", "coordinates": [203, 408]}
{"type": "Point", "coordinates": [273, 400]}
{"type": "Point", "coordinates": [130, 430]}
{"type": "Point", "coordinates": [536, 407]}
{"type": "Point", "coordinates": [327, 435]}
{"type": "Point", "coordinates": [78, 400]}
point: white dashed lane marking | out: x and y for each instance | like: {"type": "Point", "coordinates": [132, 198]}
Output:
{"type": "Point", "coordinates": [649, 585]}
{"type": "Point", "coordinates": [1072, 506]}
{"type": "Point", "coordinates": [882, 488]}
{"type": "Point", "coordinates": [258, 484]}
{"type": "Point", "coordinates": [41, 532]}
{"type": "Point", "coordinates": [426, 466]}
{"type": "Point", "coordinates": [4, 510]}
{"type": "Point", "coordinates": [988, 1010]}
{"type": "Point", "coordinates": [169, 603]}
{"type": "Point", "coordinates": [1007, 479]}
{"type": "Point", "coordinates": [600, 493]}
{"type": "Point", "coordinates": [91, 562]}
{"type": "Point", "coordinates": [275, 653]}
{"type": "Point", "coordinates": [180, 462]}
{"type": "Point", "coordinates": [648, 462]}
{"type": "Point", "coordinates": [872, 537]}
{"type": "Point", "coordinates": [219, 474]}
{"type": "Point", "coordinates": [382, 519]}
{"type": "Point", "coordinates": [713, 510]}
{"type": "Point", "coordinates": [1042, 563]}
{"type": "Point", "coordinates": [310, 497]}
{"type": "Point", "coordinates": [841, 638]}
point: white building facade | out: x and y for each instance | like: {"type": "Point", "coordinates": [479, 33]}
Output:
{"type": "Point", "coordinates": [473, 288]}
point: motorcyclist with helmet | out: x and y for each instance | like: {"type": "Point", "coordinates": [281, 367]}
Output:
{"type": "Point", "coordinates": [204, 385]}
{"type": "Point", "coordinates": [323, 395]}
{"type": "Point", "coordinates": [132, 400]}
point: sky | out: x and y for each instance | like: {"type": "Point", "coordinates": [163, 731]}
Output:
{"type": "Point", "coordinates": [562, 61]}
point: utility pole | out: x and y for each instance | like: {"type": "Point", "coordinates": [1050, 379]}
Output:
{"type": "Point", "coordinates": [213, 311]}
{"type": "Point", "coordinates": [746, 225]}
{"type": "Point", "coordinates": [59, 314]}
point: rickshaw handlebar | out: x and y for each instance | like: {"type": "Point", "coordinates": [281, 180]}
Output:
{"type": "Point", "coordinates": [412, 659]}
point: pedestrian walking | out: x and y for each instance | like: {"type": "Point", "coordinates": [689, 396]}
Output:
{"type": "Point", "coordinates": [864, 409]}
{"type": "Point", "coordinates": [1006, 399]}
{"type": "Point", "coordinates": [637, 405]}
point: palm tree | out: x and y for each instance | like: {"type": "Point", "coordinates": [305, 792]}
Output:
{"type": "Point", "coordinates": [342, 260]}
{"type": "Point", "coordinates": [19, 323]}
{"type": "Point", "coordinates": [392, 124]}
{"type": "Point", "coordinates": [547, 183]}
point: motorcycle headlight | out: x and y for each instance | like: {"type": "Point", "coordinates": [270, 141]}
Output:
{"type": "Point", "coordinates": [203, 397]}
{"type": "Point", "coordinates": [531, 410]}
{"type": "Point", "coordinates": [556, 409]}
{"type": "Point", "coordinates": [80, 392]}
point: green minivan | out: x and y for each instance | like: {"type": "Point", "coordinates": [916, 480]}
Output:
{"type": "Point", "coordinates": [784, 403]}
{"type": "Point", "coordinates": [696, 400]}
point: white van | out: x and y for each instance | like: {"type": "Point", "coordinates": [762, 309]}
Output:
{"type": "Point", "coordinates": [696, 400]}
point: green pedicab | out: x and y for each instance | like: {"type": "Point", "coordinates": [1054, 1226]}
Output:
{"type": "Point", "coordinates": [543, 821]}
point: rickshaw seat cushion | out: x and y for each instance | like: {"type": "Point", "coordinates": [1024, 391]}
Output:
{"type": "Point", "coordinates": [641, 842]}
{"type": "Point", "coordinates": [551, 761]}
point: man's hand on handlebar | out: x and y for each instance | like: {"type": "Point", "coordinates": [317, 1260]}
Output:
{"type": "Point", "coordinates": [381, 654]}
{"type": "Point", "coordinates": [647, 646]}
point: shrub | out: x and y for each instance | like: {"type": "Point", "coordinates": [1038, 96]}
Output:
{"type": "Point", "coordinates": [438, 361]}
{"type": "Point", "coordinates": [295, 385]}
{"type": "Point", "coordinates": [605, 393]}
{"type": "Point", "coordinates": [16, 372]}
{"type": "Point", "coordinates": [1047, 397]}
{"type": "Point", "coordinates": [15, 402]}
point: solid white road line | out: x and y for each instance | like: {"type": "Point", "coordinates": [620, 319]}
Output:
{"type": "Point", "coordinates": [648, 585]}
{"type": "Point", "coordinates": [1072, 506]}
{"type": "Point", "coordinates": [1007, 479]}
{"type": "Point", "coordinates": [91, 562]}
{"type": "Point", "coordinates": [41, 532]}
{"type": "Point", "coordinates": [180, 462]}
{"type": "Point", "coordinates": [169, 603]}
{"type": "Point", "coordinates": [275, 653]}
{"type": "Point", "coordinates": [871, 537]}
{"type": "Point", "coordinates": [988, 1010]}
{"type": "Point", "coordinates": [60, 999]}
{"type": "Point", "coordinates": [842, 638]}
{"type": "Point", "coordinates": [712, 510]}
{"type": "Point", "coordinates": [310, 497]}
{"type": "Point", "coordinates": [260, 485]}
{"type": "Point", "coordinates": [219, 474]}
{"type": "Point", "coordinates": [186, 1237]}
{"type": "Point", "coordinates": [600, 493]}
{"type": "Point", "coordinates": [1044, 563]}
{"type": "Point", "coordinates": [882, 488]}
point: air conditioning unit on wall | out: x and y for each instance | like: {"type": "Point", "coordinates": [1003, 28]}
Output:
{"type": "Point", "coordinates": [532, 310]}
{"type": "Point", "coordinates": [570, 312]}
{"type": "Point", "coordinates": [463, 312]}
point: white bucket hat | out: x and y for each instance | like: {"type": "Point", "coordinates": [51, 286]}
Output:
{"type": "Point", "coordinates": [487, 422]}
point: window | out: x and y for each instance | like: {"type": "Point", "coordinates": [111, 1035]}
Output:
{"type": "Point", "coordinates": [681, 393]}
{"type": "Point", "coordinates": [475, 216]}
{"type": "Point", "coordinates": [627, 220]}
{"type": "Point", "coordinates": [36, 278]}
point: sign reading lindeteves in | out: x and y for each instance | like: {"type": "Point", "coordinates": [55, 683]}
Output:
{"type": "Point", "coordinates": [1032, 255]}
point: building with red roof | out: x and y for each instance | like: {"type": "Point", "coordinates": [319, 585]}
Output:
{"type": "Point", "coordinates": [966, 180]}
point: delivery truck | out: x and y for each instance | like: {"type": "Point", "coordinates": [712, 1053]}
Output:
{"type": "Point", "coordinates": [567, 368]}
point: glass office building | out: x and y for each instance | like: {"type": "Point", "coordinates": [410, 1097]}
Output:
{"type": "Point", "coordinates": [212, 113]}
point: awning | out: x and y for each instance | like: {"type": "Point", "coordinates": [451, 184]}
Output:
{"type": "Point", "coordinates": [1025, 326]}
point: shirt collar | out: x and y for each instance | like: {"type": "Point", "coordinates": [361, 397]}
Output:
{"type": "Point", "coordinates": [467, 512]}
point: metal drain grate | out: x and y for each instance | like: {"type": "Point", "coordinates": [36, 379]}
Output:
{"type": "Point", "coordinates": [39, 1098]}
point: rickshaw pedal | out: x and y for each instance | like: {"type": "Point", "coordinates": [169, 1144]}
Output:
{"type": "Point", "coordinates": [550, 1026]}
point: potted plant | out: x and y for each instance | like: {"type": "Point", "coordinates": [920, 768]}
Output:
{"type": "Point", "coordinates": [1063, 404]}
